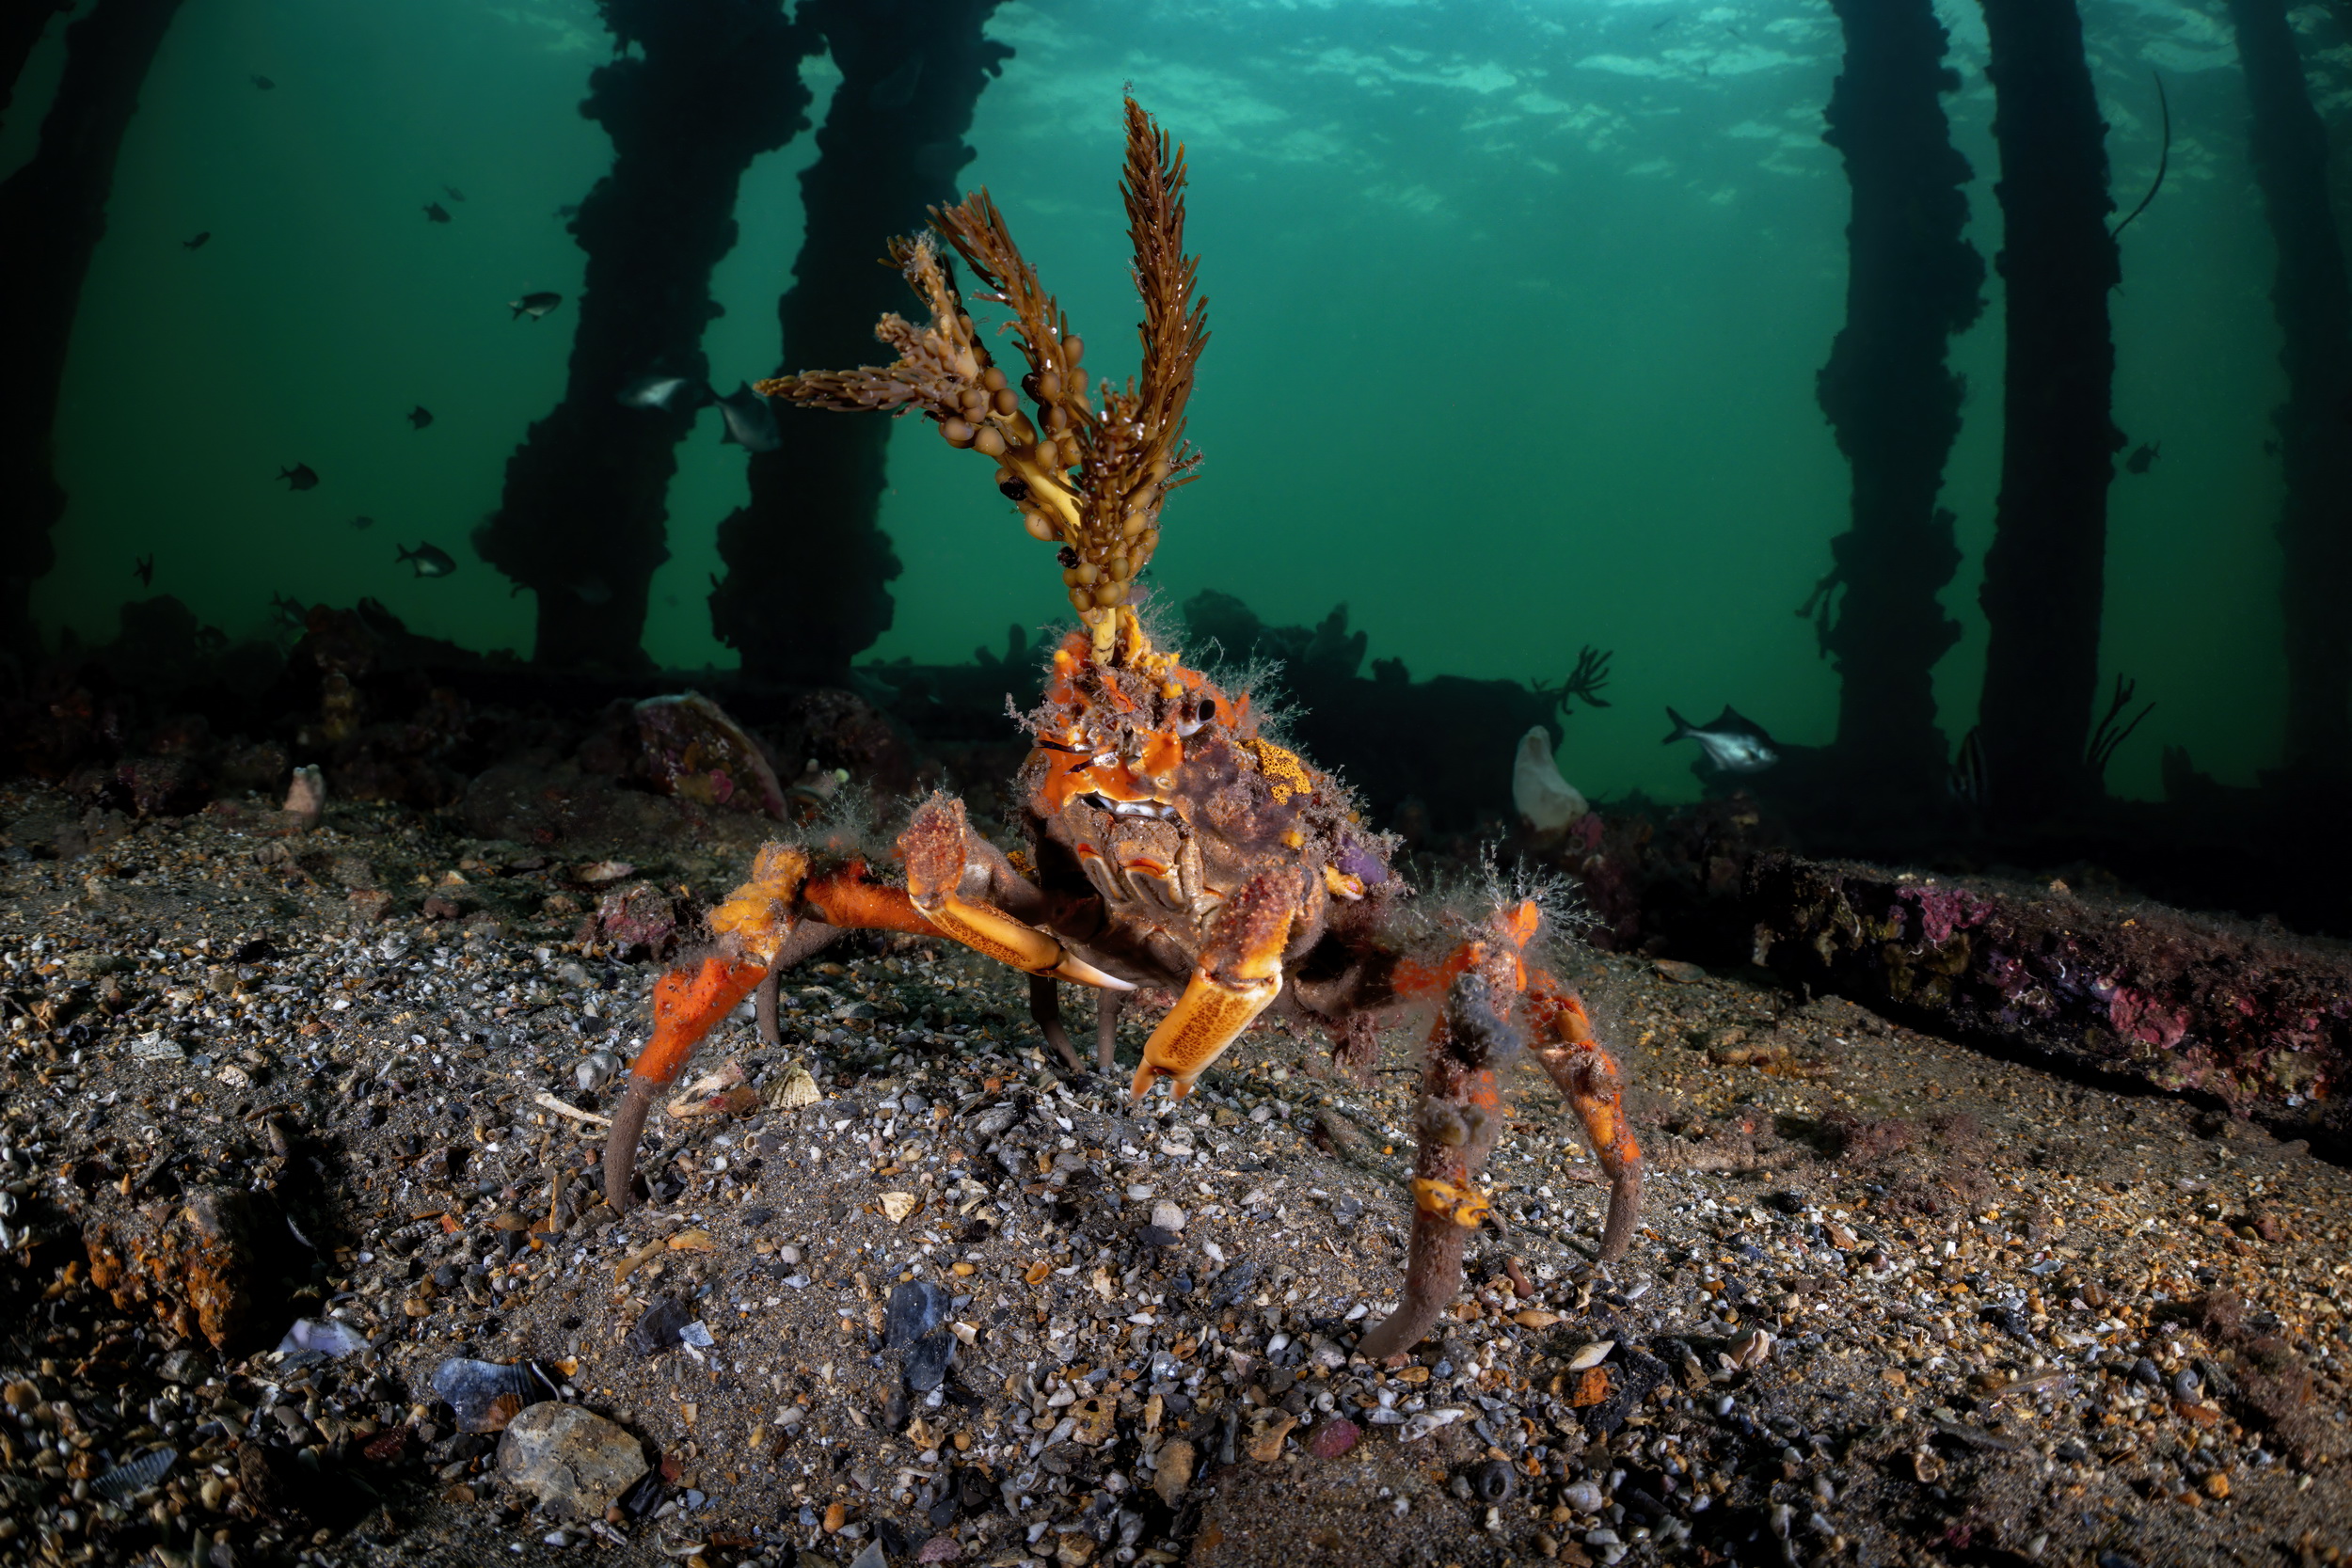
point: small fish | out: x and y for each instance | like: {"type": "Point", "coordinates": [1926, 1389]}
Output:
{"type": "Point", "coordinates": [751, 419]}
{"type": "Point", "coordinates": [300, 477]}
{"type": "Point", "coordinates": [145, 571]}
{"type": "Point", "coordinates": [286, 613]}
{"type": "Point", "coordinates": [2143, 458]}
{"type": "Point", "coordinates": [1965, 782]}
{"type": "Point", "coordinates": [198, 242]}
{"type": "Point", "coordinates": [569, 210]}
{"type": "Point", "coordinates": [1731, 743]}
{"type": "Point", "coordinates": [453, 192]}
{"type": "Point", "coordinates": [431, 560]}
{"type": "Point", "coordinates": [420, 417]}
{"type": "Point", "coordinates": [534, 306]}
{"type": "Point", "coordinates": [264, 83]}
{"type": "Point", "coordinates": [661, 391]}
{"type": "Point", "coordinates": [593, 592]}
{"type": "Point", "coordinates": [436, 213]}
{"type": "Point", "coordinates": [363, 523]}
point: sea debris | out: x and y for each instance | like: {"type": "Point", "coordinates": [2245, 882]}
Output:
{"type": "Point", "coordinates": [1545, 799]}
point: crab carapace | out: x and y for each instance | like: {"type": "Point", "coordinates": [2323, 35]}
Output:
{"type": "Point", "coordinates": [1172, 843]}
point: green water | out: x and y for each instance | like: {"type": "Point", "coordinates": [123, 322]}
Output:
{"type": "Point", "coordinates": [1516, 313]}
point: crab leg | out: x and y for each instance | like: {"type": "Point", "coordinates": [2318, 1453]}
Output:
{"type": "Point", "coordinates": [1240, 972]}
{"type": "Point", "coordinates": [1107, 1006]}
{"type": "Point", "coordinates": [756, 931]}
{"type": "Point", "coordinates": [1588, 1077]}
{"type": "Point", "coordinates": [1046, 1008]}
{"type": "Point", "coordinates": [1461, 1114]}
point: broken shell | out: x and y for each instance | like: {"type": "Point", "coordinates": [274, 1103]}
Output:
{"type": "Point", "coordinates": [125, 1481]}
{"type": "Point", "coordinates": [795, 1089]}
{"type": "Point", "coordinates": [1591, 1355]}
{"type": "Point", "coordinates": [483, 1394]}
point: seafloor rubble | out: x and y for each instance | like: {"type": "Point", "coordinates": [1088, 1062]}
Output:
{"type": "Point", "coordinates": [904, 1296]}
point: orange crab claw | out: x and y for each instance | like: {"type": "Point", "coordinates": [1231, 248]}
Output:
{"type": "Point", "coordinates": [1240, 973]}
{"type": "Point", "coordinates": [937, 860]}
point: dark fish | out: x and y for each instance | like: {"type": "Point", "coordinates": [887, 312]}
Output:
{"type": "Point", "coordinates": [198, 244]}
{"type": "Point", "coordinates": [1965, 782]}
{"type": "Point", "coordinates": [2143, 458]}
{"type": "Point", "coordinates": [300, 477]}
{"type": "Point", "coordinates": [420, 417]}
{"type": "Point", "coordinates": [534, 306]}
{"type": "Point", "coordinates": [436, 213]}
{"type": "Point", "coordinates": [264, 83]}
{"type": "Point", "coordinates": [431, 560]}
{"type": "Point", "coordinates": [663, 391]}
{"type": "Point", "coordinates": [363, 523]}
{"type": "Point", "coordinates": [453, 192]}
{"type": "Point", "coordinates": [145, 571]}
{"type": "Point", "coordinates": [751, 419]}
{"type": "Point", "coordinates": [286, 613]}
{"type": "Point", "coordinates": [1731, 743]}
{"type": "Point", "coordinates": [593, 592]}
{"type": "Point", "coordinates": [569, 210]}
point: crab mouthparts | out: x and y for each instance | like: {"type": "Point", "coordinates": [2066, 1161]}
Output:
{"type": "Point", "coordinates": [1127, 808]}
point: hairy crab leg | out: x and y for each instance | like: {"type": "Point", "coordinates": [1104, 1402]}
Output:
{"type": "Point", "coordinates": [1046, 1008]}
{"type": "Point", "coordinates": [1240, 972]}
{"type": "Point", "coordinates": [1590, 1081]}
{"type": "Point", "coordinates": [1461, 1116]}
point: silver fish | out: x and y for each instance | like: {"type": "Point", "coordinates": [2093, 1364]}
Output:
{"type": "Point", "coordinates": [431, 560]}
{"type": "Point", "coordinates": [1734, 744]}
{"type": "Point", "coordinates": [751, 419]}
{"type": "Point", "coordinates": [534, 306]}
{"type": "Point", "coordinates": [663, 391]}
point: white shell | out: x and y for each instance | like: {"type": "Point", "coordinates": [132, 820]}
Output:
{"type": "Point", "coordinates": [1591, 1356]}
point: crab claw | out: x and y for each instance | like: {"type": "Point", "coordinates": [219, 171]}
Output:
{"type": "Point", "coordinates": [1239, 973]}
{"type": "Point", "coordinates": [938, 865]}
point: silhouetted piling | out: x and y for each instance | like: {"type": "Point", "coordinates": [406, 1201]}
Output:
{"type": "Point", "coordinates": [716, 83]}
{"type": "Point", "coordinates": [807, 566]}
{"type": "Point", "coordinates": [2313, 305]}
{"type": "Point", "coordinates": [52, 211]}
{"type": "Point", "coordinates": [2046, 573]}
{"type": "Point", "coordinates": [1912, 282]}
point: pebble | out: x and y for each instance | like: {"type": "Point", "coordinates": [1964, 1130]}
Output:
{"type": "Point", "coordinates": [1168, 1216]}
{"type": "Point", "coordinates": [916, 1308]}
{"type": "Point", "coordinates": [573, 1461]}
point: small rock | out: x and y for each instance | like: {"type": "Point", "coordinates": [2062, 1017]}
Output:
{"type": "Point", "coordinates": [574, 1461]}
{"type": "Point", "coordinates": [660, 1327]}
{"type": "Point", "coordinates": [1175, 1471]}
{"type": "Point", "coordinates": [595, 1069]}
{"type": "Point", "coordinates": [1168, 1216]}
{"type": "Point", "coordinates": [871, 1558]}
{"type": "Point", "coordinates": [939, 1549]}
{"type": "Point", "coordinates": [1334, 1437]}
{"type": "Point", "coordinates": [1152, 1235]}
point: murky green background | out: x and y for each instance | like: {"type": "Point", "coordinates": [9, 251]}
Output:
{"type": "Point", "coordinates": [1517, 313]}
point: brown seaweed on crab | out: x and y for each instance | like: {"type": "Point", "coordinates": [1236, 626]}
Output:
{"type": "Point", "coordinates": [1171, 841]}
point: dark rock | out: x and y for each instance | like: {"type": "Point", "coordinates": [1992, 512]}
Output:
{"type": "Point", "coordinates": [1234, 1284]}
{"type": "Point", "coordinates": [916, 1308]}
{"type": "Point", "coordinates": [659, 1329]}
{"type": "Point", "coordinates": [927, 1362]}
{"type": "Point", "coordinates": [1153, 1236]}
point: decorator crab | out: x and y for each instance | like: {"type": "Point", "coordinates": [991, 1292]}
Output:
{"type": "Point", "coordinates": [1172, 843]}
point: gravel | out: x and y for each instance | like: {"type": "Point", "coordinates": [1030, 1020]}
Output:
{"type": "Point", "coordinates": [1893, 1301]}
